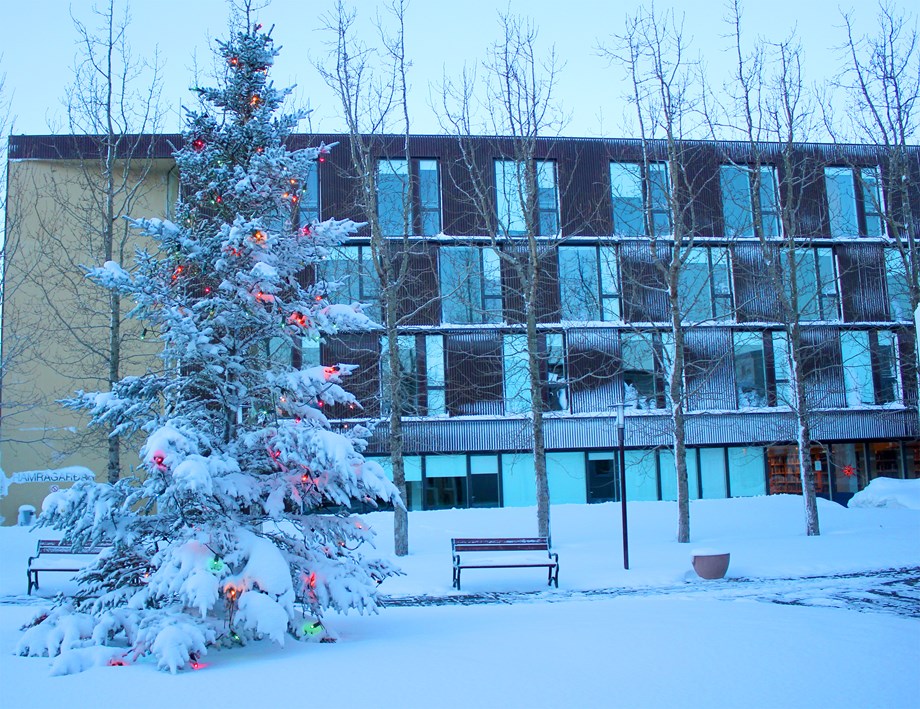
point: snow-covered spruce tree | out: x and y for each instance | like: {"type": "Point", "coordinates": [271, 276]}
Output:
{"type": "Point", "coordinates": [235, 529]}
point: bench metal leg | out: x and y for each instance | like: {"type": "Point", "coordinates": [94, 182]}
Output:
{"type": "Point", "coordinates": [32, 577]}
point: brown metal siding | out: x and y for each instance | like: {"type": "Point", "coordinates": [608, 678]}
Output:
{"type": "Point", "coordinates": [862, 282]}
{"type": "Point", "coordinates": [907, 350]}
{"type": "Point", "coordinates": [593, 366]}
{"type": "Point", "coordinates": [823, 368]}
{"type": "Point", "coordinates": [645, 294]}
{"type": "Point", "coordinates": [474, 373]}
{"type": "Point", "coordinates": [756, 299]}
{"type": "Point", "coordinates": [515, 258]}
{"type": "Point", "coordinates": [709, 373]}
{"type": "Point", "coordinates": [418, 302]}
{"type": "Point", "coordinates": [362, 349]}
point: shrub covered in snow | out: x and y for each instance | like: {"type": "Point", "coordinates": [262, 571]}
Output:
{"type": "Point", "coordinates": [235, 528]}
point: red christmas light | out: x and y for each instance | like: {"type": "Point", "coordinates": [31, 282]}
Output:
{"type": "Point", "coordinates": [306, 231]}
{"type": "Point", "coordinates": [198, 145]}
{"type": "Point", "coordinates": [234, 61]}
{"type": "Point", "coordinates": [298, 318]}
{"type": "Point", "coordinates": [259, 237]}
{"type": "Point", "coordinates": [178, 272]}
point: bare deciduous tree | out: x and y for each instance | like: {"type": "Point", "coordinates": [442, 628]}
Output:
{"type": "Point", "coordinates": [112, 108]}
{"type": "Point", "coordinates": [508, 196]}
{"type": "Point", "coordinates": [371, 86]}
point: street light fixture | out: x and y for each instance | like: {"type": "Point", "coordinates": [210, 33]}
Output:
{"type": "Point", "coordinates": [621, 464]}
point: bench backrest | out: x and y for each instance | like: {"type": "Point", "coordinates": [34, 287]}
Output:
{"type": "Point", "coordinates": [500, 544]}
{"type": "Point", "coordinates": [56, 546]}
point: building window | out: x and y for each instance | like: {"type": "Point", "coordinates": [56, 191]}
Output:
{"type": "Point", "coordinates": [524, 187]}
{"type": "Point", "coordinates": [309, 197]}
{"type": "Point", "coordinates": [445, 481]}
{"type": "Point", "coordinates": [750, 369]}
{"type": "Point", "coordinates": [350, 277]}
{"type": "Point", "coordinates": [897, 283]}
{"type": "Point", "coordinates": [515, 364]}
{"type": "Point", "coordinates": [589, 283]}
{"type": "Point", "coordinates": [642, 370]}
{"type": "Point", "coordinates": [784, 391]}
{"type": "Point", "coordinates": [517, 374]}
{"type": "Point", "coordinates": [738, 204]}
{"type": "Point", "coordinates": [816, 284]}
{"type": "Point", "coordinates": [556, 379]}
{"type": "Point", "coordinates": [470, 279]}
{"type": "Point", "coordinates": [854, 201]}
{"type": "Point", "coordinates": [641, 199]}
{"type": "Point", "coordinates": [421, 366]}
{"type": "Point", "coordinates": [408, 201]}
{"type": "Point", "coordinates": [704, 285]}
{"type": "Point", "coordinates": [870, 366]}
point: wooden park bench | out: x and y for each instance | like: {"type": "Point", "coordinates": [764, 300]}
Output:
{"type": "Point", "coordinates": [504, 553]}
{"type": "Point", "coordinates": [54, 555]}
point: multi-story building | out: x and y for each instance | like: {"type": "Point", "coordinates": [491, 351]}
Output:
{"type": "Point", "coordinates": [603, 213]}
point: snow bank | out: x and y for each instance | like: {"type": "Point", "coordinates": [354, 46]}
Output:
{"type": "Point", "coordinates": [888, 492]}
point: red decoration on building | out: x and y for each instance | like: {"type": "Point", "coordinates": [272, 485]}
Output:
{"type": "Point", "coordinates": [849, 471]}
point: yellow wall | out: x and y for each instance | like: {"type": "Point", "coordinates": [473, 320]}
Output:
{"type": "Point", "coordinates": [55, 322]}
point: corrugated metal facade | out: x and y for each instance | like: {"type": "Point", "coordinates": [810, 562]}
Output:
{"type": "Point", "coordinates": [474, 358]}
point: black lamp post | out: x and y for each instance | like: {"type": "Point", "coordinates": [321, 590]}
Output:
{"type": "Point", "coordinates": [621, 435]}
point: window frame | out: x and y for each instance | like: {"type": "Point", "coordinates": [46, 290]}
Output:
{"type": "Point", "coordinates": [418, 206]}
{"type": "Point", "coordinates": [756, 229]}
{"type": "Point", "coordinates": [606, 298]}
{"type": "Point", "coordinates": [511, 213]}
{"type": "Point", "coordinates": [867, 209]}
{"type": "Point", "coordinates": [651, 192]}
{"type": "Point", "coordinates": [489, 301]}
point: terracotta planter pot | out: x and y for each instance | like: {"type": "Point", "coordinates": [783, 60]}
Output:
{"type": "Point", "coordinates": [710, 566]}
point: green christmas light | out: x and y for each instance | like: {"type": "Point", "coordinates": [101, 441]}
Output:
{"type": "Point", "coordinates": [312, 629]}
{"type": "Point", "coordinates": [216, 565]}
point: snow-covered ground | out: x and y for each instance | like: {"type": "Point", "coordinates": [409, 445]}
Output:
{"type": "Point", "coordinates": [670, 640]}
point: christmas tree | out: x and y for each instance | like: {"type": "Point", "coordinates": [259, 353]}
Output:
{"type": "Point", "coordinates": [237, 528]}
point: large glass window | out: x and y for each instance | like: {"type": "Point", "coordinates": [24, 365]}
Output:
{"type": "Point", "coordinates": [704, 285]}
{"type": "Point", "coordinates": [750, 369]}
{"type": "Point", "coordinates": [394, 197]}
{"type": "Point", "coordinates": [350, 277]}
{"type": "Point", "coordinates": [517, 373]}
{"type": "Point", "coordinates": [897, 283]}
{"type": "Point", "coordinates": [408, 200]}
{"type": "Point", "coordinates": [445, 481]}
{"type": "Point", "coordinates": [556, 380]}
{"type": "Point", "coordinates": [470, 279]}
{"type": "Point", "coordinates": [854, 201]}
{"type": "Point", "coordinates": [421, 367]}
{"type": "Point", "coordinates": [589, 283]}
{"type": "Point", "coordinates": [522, 187]}
{"type": "Point", "coordinates": [870, 366]}
{"type": "Point", "coordinates": [641, 199]}
{"type": "Point", "coordinates": [642, 377]}
{"type": "Point", "coordinates": [784, 391]}
{"type": "Point", "coordinates": [517, 376]}
{"type": "Point", "coordinates": [816, 283]}
{"type": "Point", "coordinates": [739, 184]}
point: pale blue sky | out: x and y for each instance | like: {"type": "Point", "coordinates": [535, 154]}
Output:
{"type": "Point", "coordinates": [38, 46]}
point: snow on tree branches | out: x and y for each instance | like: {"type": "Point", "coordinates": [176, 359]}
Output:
{"type": "Point", "coordinates": [237, 528]}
